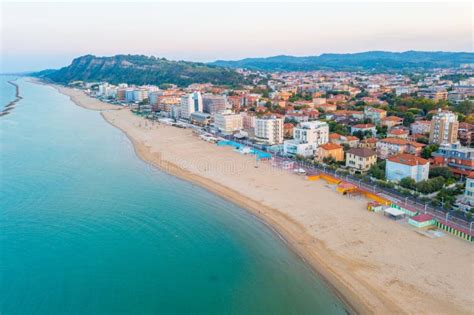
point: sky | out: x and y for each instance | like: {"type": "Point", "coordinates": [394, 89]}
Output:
{"type": "Point", "coordinates": [43, 35]}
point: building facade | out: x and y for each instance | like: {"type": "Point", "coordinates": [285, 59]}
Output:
{"type": "Point", "coordinates": [360, 159]}
{"type": "Point", "coordinates": [406, 165]}
{"type": "Point", "coordinates": [444, 128]}
{"type": "Point", "coordinates": [458, 158]}
{"type": "Point", "coordinates": [269, 130]}
{"type": "Point", "coordinates": [228, 122]}
{"type": "Point", "coordinates": [190, 103]}
{"type": "Point", "coordinates": [327, 150]}
{"type": "Point", "coordinates": [213, 104]}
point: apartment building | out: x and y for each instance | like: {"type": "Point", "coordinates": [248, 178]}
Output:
{"type": "Point", "coordinates": [190, 103]}
{"type": "Point", "coordinates": [458, 158]}
{"type": "Point", "coordinates": [307, 137]}
{"type": "Point", "coordinates": [269, 130]}
{"type": "Point", "coordinates": [444, 128]}
{"type": "Point", "coordinates": [228, 122]}
{"type": "Point", "coordinates": [406, 165]}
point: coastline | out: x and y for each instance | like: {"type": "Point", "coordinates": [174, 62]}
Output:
{"type": "Point", "coordinates": [11, 105]}
{"type": "Point", "coordinates": [289, 235]}
{"type": "Point", "coordinates": [346, 272]}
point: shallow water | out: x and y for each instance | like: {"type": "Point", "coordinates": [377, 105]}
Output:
{"type": "Point", "coordinates": [86, 227]}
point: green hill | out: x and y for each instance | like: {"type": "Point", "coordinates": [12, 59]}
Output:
{"type": "Point", "coordinates": [138, 69]}
{"type": "Point", "coordinates": [377, 61]}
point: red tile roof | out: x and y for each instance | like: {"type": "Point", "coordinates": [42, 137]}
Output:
{"type": "Point", "coordinates": [398, 132]}
{"type": "Point", "coordinates": [392, 118]}
{"type": "Point", "coordinates": [407, 159]}
{"type": "Point", "coordinates": [422, 217]}
{"type": "Point", "coordinates": [330, 146]}
{"type": "Point", "coordinates": [395, 141]}
{"type": "Point", "coordinates": [363, 126]}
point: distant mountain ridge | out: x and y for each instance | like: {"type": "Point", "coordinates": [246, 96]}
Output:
{"type": "Point", "coordinates": [378, 61]}
{"type": "Point", "coordinates": [141, 70]}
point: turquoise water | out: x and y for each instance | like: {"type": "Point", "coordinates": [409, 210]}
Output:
{"type": "Point", "coordinates": [88, 228]}
{"type": "Point", "coordinates": [7, 93]}
{"type": "Point", "coordinates": [260, 154]}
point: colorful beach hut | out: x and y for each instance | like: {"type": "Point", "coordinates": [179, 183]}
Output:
{"type": "Point", "coordinates": [422, 220]}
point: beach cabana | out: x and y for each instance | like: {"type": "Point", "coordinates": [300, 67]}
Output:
{"type": "Point", "coordinates": [422, 220]}
{"type": "Point", "coordinates": [374, 206]}
{"type": "Point", "coordinates": [394, 213]}
{"type": "Point", "coordinates": [409, 211]}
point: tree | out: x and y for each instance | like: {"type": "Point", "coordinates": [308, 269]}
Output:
{"type": "Point", "coordinates": [329, 160]}
{"type": "Point", "coordinates": [428, 150]}
{"type": "Point", "coordinates": [465, 107]}
{"type": "Point", "coordinates": [377, 172]}
{"type": "Point", "coordinates": [408, 182]}
{"type": "Point", "coordinates": [423, 140]}
{"type": "Point", "coordinates": [444, 172]}
{"type": "Point", "coordinates": [431, 185]}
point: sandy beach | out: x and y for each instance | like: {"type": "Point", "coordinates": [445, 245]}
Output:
{"type": "Point", "coordinates": [373, 263]}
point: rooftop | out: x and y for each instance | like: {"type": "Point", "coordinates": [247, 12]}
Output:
{"type": "Point", "coordinates": [330, 146]}
{"type": "Point", "coordinates": [394, 141]}
{"type": "Point", "coordinates": [392, 118]}
{"type": "Point", "coordinates": [363, 126]}
{"type": "Point", "coordinates": [422, 217]}
{"type": "Point", "coordinates": [362, 152]}
{"type": "Point", "coordinates": [407, 159]}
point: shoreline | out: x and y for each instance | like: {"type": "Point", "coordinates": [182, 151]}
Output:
{"type": "Point", "coordinates": [11, 105]}
{"type": "Point", "coordinates": [357, 293]}
{"type": "Point", "coordinates": [252, 207]}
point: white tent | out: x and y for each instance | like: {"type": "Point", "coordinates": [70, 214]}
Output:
{"type": "Point", "coordinates": [395, 213]}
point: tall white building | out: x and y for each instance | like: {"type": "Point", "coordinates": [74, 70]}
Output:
{"type": "Point", "coordinates": [269, 130]}
{"type": "Point", "coordinates": [140, 95]}
{"type": "Point", "coordinates": [306, 138]}
{"type": "Point", "coordinates": [228, 122]}
{"type": "Point", "coordinates": [444, 128]}
{"type": "Point", "coordinates": [190, 103]}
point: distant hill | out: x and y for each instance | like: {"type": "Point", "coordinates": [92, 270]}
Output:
{"type": "Point", "coordinates": [138, 69]}
{"type": "Point", "coordinates": [377, 61]}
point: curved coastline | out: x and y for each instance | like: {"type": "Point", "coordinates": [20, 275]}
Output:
{"type": "Point", "coordinates": [288, 230]}
{"type": "Point", "coordinates": [11, 105]}
{"type": "Point", "coordinates": [360, 294]}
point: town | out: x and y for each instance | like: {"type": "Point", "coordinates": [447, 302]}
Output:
{"type": "Point", "coordinates": [409, 135]}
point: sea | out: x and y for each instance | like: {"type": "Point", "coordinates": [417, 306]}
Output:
{"type": "Point", "coordinates": [86, 227]}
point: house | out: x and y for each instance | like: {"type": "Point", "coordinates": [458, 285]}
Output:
{"type": "Point", "coordinates": [334, 137]}
{"type": "Point", "coordinates": [420, 127]}
{"type": "Point", "coordinates": [330, 150]}
{"type": "Point", "coordinates": [365, 128]}
{"type": "Point", "coordinates": [351, 141]}
{"type": "Point", "coordinates": [360, 159]}
{"type": "Point", "coordinates": [374, 114]}
{"type": "Point", "coordinates": [397, 133]}
{"type": "Point", "coordinates": [391, 121]}
{"type": "Point", "coordinates": [459, 159]}
{"type": "Point", "coordinates": [414, 148]}
{"type": "Point", "coordinates": [369, 143]}
{"type": "Point", "coordinates": [327, 107]}
{"type": "Point", "coordinates": [390, 146]}
{"type": "Point", "coordinates": [406, 165]}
